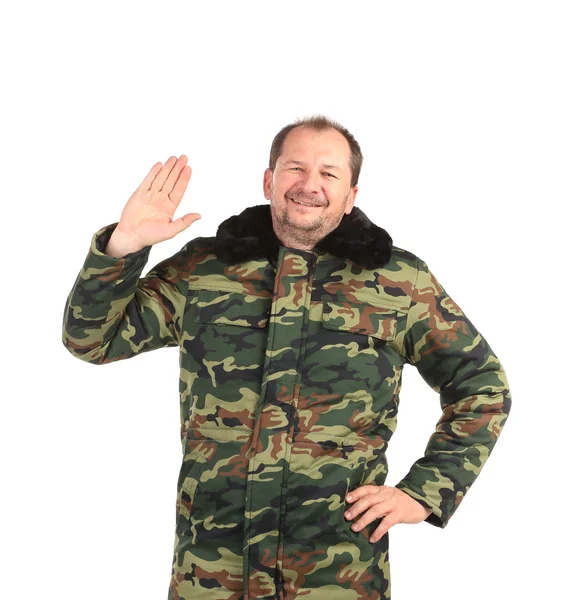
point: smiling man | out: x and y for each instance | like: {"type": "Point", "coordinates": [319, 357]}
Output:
{"type": "Point", "coordinates": [310, 184]}
{"type": "Point", "coordinates": [294, 324]}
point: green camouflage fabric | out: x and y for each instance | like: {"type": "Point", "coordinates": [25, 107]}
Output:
{"type": "Point", "coordinates": [289, 389]}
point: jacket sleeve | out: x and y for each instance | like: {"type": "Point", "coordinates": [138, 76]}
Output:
{"type": "Point", "coordinates": [112, 314]}
{"type": "Point", "coordinates": [456, 361]}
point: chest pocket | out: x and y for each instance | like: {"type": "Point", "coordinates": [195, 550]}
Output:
{"type": "Point", "coordinates": [231, 308]}
{"type": "Point", "coordinates": [364, 319]}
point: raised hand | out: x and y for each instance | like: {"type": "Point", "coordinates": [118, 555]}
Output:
{"type": "Point", "coordinates": [147, 217]}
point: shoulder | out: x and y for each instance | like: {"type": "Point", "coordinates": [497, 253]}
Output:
{"type": "Point", "coordinates": [404, 262]}
{"type": "Point", "coordinates": [195, 250]}
{"type": "Point", "coordinates": [402, 275]}
{"type": "Point", "coordinates": [199, 244]}
{"type": "Point", "coordinates": [404, 256]}
{"type": "Point", "coordinates": [183, 262]}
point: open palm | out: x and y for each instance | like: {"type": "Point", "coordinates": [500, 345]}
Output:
{"type": "Point", "coordinates": [148, 215]}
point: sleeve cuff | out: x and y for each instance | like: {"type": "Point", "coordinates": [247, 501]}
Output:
{"type": "Point", "coordinates": [437, 517]}
{"type": "Point", "coordinates": [100, 241]}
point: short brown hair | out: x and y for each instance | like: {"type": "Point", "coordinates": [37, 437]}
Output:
{"type": "Point", "coordinates": [320, 123]}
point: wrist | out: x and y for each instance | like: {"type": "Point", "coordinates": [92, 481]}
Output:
{"type": "Point", "coordinates": [121, 243]}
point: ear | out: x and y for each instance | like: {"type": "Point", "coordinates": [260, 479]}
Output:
{"type": "Point", "coordinates": [350, 200]}
{"type": "Point", "coordinates": [268, 176]}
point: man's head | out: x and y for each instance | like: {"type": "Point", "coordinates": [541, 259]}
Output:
{"type": "Point", "coordinates": [311, 180]}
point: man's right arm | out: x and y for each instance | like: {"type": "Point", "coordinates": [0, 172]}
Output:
{"type": "Point", "coordinates": [111, 313]}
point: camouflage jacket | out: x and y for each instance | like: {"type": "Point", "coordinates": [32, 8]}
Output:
{"type": "Point", "coordinates": [291, 366]}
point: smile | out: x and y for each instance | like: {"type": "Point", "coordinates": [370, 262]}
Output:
{"type": "Point", "coordinates": [305, 203]}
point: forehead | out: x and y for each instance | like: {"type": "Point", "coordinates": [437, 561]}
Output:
{"type": "Point", "coordinates": [328, 145]}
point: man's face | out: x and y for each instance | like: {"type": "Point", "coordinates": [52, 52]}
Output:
{"type": "Point", "coordinates": [310, 187]}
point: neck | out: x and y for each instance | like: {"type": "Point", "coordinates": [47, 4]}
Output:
{"type": "Point", "coordinates": [294, 242]}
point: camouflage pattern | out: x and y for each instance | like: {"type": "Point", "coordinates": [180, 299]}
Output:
{"type": "Point", "coordinates": [289, 390]}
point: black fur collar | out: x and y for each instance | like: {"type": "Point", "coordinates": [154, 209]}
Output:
{"type": "Point", "coordinates": [250, 235]}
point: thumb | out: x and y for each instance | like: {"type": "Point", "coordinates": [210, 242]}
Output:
{"type": "Point", "coordinates": [182, 223]}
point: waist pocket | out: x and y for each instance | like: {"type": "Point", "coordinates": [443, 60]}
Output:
{"type": "Point", "coordinates": [323, 469]}
{"type": "Point", "coordinates": [197, 456]}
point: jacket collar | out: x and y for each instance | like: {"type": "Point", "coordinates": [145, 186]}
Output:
{"type": "Point", "coordinates": [250, 236]}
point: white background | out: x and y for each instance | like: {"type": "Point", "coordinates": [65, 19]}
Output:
{"type": "Point", "coordinates": [465, 114]}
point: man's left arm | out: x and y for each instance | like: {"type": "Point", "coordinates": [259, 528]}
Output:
{"type": "Point", "coordinates": [456, 361]}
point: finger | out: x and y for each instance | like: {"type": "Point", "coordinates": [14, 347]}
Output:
{"type": "Point", "coordinates": [386, 524]}
{"type": "Point", "coordinates": [362, 505]}
{"type": "Point", "coordinates": [177, 193]}
{"type": "Point", "coordinates": [146, 184]}
{"type": "Point", "coordinates": [182, 223]}
{"type": "Point", "coordinates": [375, 512]}
{"type": "Point", "coordinates": [362, 491]}
{"type": "Point", "coordinates": [163, 174]}
{"type": "Point", "coordinates": [174, 174]}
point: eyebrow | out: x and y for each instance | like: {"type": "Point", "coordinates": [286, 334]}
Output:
{"type": "Point", "coordinates": [302, 163]}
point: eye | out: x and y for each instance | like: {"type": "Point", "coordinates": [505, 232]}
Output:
{"type": "Point", "coordinates": [329, 174]}
{"type": "Point", "coordinates": [295, 169]}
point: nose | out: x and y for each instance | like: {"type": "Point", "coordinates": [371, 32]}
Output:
{"type": "Point", "coordinates": [311, 182]}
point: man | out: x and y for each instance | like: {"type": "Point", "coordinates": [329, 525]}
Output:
{"type": "Point", "coordinates": [293, 325]}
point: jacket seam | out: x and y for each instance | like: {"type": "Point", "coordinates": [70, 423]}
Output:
{"type": "Point", "coordinates": [412, 303]}
{"type": "Point", "coordinates": [111, 334]}
{"type": "Point", "coordinates": [223, 288]}
{"type": "Point", "coordinates": [180, 328]}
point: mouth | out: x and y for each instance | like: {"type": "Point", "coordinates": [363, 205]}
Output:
{"type": "Point", "coordinates": [306, 204]}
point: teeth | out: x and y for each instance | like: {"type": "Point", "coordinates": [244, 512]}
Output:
{"type": "Point", "coordinates": [304, 203]}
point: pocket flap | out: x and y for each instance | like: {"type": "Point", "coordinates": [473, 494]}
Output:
{"type": "Point", "coordinates": [231, 308]}
{"type": "Point", "coordinates": [360, 318]}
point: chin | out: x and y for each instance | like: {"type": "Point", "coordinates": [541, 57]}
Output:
{"type": "Point", "coordinates": [304, 224]}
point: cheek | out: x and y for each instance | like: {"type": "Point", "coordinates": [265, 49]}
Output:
{"type": "Point", "coordinates": [284, 185]}
{"type": "Point", "coordinates": [337, 199]}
